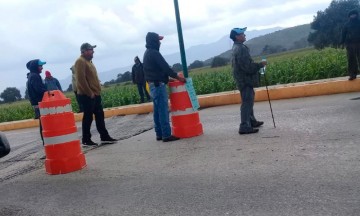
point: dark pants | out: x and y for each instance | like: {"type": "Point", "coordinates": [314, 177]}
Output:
{"type": "Point", "coordinates": [142, 88]}
{"type": "Point", "coordinates": [247, 108]}
{"type": "Point", "coordinates": [353, 56]}
{"type": "Point", "coordinates": [77, 100]}
{"type": "Point", "coordinates": [41, 129]}
{"type": "Point", "coordinates": [37, 116]}
{"type": "Point", "coordinates": [92, 106]}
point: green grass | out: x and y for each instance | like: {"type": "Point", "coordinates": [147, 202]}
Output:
{"type": "Point", "coordinates": [307, 65]}
{"type": "Point", "coordinates": [288, 67]}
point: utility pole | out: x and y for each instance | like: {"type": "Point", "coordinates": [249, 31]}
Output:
{"type": "Point", "coordinates": [181, 40]}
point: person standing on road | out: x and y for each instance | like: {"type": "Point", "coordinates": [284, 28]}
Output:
{"type": "Point", "coordinates": [137, 75]}
{"type": "Point", "coordinates": [74, 88]}
{"type": "Point", "coordinates": [36, 87]}
{"type": "Point", "coordinates": [157, 72]}
{"type": "Point", "coordinates": [51, 82]}
{"type": "Point", "coordinates": [88, 89]}
{"type": "Point", "coordinates": [245, 72]}
{"type": "Point", "coordinates": [351, 39]}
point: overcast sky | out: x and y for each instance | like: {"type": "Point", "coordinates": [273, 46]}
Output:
{"type": "Point", "coordinates": [53, 30]}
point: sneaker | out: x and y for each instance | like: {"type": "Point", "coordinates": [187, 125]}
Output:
{"type": "Point", "coordinates": [89, 143]}
{"type": "Point", "coordinates": [170, 138]}
{"type": "Point", "coordinates": [108, 140]}
{"type": "Point", "coordinates": [158, 138]}
{"type": "Point", "coordinates": [257, 124]}
{"type": "Point", "coordinates": [253, 130]}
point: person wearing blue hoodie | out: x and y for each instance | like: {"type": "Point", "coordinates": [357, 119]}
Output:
{"type": "Point", "coordinates": [157, 72]}
{"type": "Point", "coordinates": [36, 87]}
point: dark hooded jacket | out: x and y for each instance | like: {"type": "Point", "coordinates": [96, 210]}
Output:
{"type": "Point", "coordinates": [35, 85]}
{"type": "Point", "coordinates": [351, 30]}
{"type": "Point", "coordinates": [156, 69]}
{"type": "Point", "coordinates": [137, 73]}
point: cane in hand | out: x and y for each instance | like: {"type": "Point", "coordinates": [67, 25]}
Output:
{"type": "Point", "coordinates": [267, 90]}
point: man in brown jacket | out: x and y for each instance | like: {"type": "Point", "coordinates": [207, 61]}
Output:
{"type": "Point", "coordinates": [88, 89]}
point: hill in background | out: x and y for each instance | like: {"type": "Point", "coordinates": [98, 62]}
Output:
{"type": "Point", "coordinates": [290, 38]}
{"type": "Point", "coordinates": [206, 51]}
{"type": "Point", "coordinates": [282, 40]}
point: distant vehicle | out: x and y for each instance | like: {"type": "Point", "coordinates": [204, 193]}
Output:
{"type": "Point", "coordinates": [4, 145]}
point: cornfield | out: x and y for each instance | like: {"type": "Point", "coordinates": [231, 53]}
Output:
{"type": "Point", "coordinates": [290, 67]}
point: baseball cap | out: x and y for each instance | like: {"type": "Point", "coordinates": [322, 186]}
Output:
{"type": "Point", "coordinates": [86, 46]}
{"type": "Point", "coordinates": [236, 31]}
{"type": "Point", "coordinates": [41, 62]}
{"type": "Point", "coordinates": [152, 36]}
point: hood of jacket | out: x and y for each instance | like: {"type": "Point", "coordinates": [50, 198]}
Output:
{"type": "Point", "coordinates": [152, 41]}
{"type": "Point", "coordinates": [33, 66]}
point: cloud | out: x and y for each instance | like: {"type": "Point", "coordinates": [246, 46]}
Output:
{"type": "Point", "coordinates": [54, 30]}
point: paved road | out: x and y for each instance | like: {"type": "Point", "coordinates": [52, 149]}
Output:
{"type": "Point", "coordinates": [26, 146]}
{"type": "Point", "coordinates": [308, 165]}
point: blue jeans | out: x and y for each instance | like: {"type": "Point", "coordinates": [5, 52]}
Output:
{"type": "Point", "coordinates": [161, 110]}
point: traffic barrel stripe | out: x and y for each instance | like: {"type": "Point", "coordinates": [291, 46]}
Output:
{"type": "Point", "coordinates": [177, 89]}
{"type": "Point", "coordinates": [187, 111]}
{"type": "Point", "coordinates": [55, 110]}
{"type": "Point", "coordinates": [61, 139]}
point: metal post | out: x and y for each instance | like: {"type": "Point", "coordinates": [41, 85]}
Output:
{"type": "Point", "coordinates": [181, 40]}
{"type": "Point", "coordinates": [267, 90]}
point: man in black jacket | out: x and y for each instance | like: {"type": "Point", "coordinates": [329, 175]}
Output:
{"type": "Point", "coordinates": [351, 39]}
{"type": "Point", "coordinates": [35, 87]}
{"type": "Point", "coordinates": [137, 75]}
{"type": "Point", "coordinates": [245, 72]}
{"type": "Point", "coordinates": [157, 72]}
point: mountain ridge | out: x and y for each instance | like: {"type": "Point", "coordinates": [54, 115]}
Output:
{"type": "Point", "coordinates": [289, 38]}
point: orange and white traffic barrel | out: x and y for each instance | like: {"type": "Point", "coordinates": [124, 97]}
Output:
{"type": "Point", "coordinates": [61, 142]}
{"type": "Point", "coordinates": [185, 120]}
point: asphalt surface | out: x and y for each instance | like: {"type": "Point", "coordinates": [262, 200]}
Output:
{"type": "Point", "coordinates": [308, 165]}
